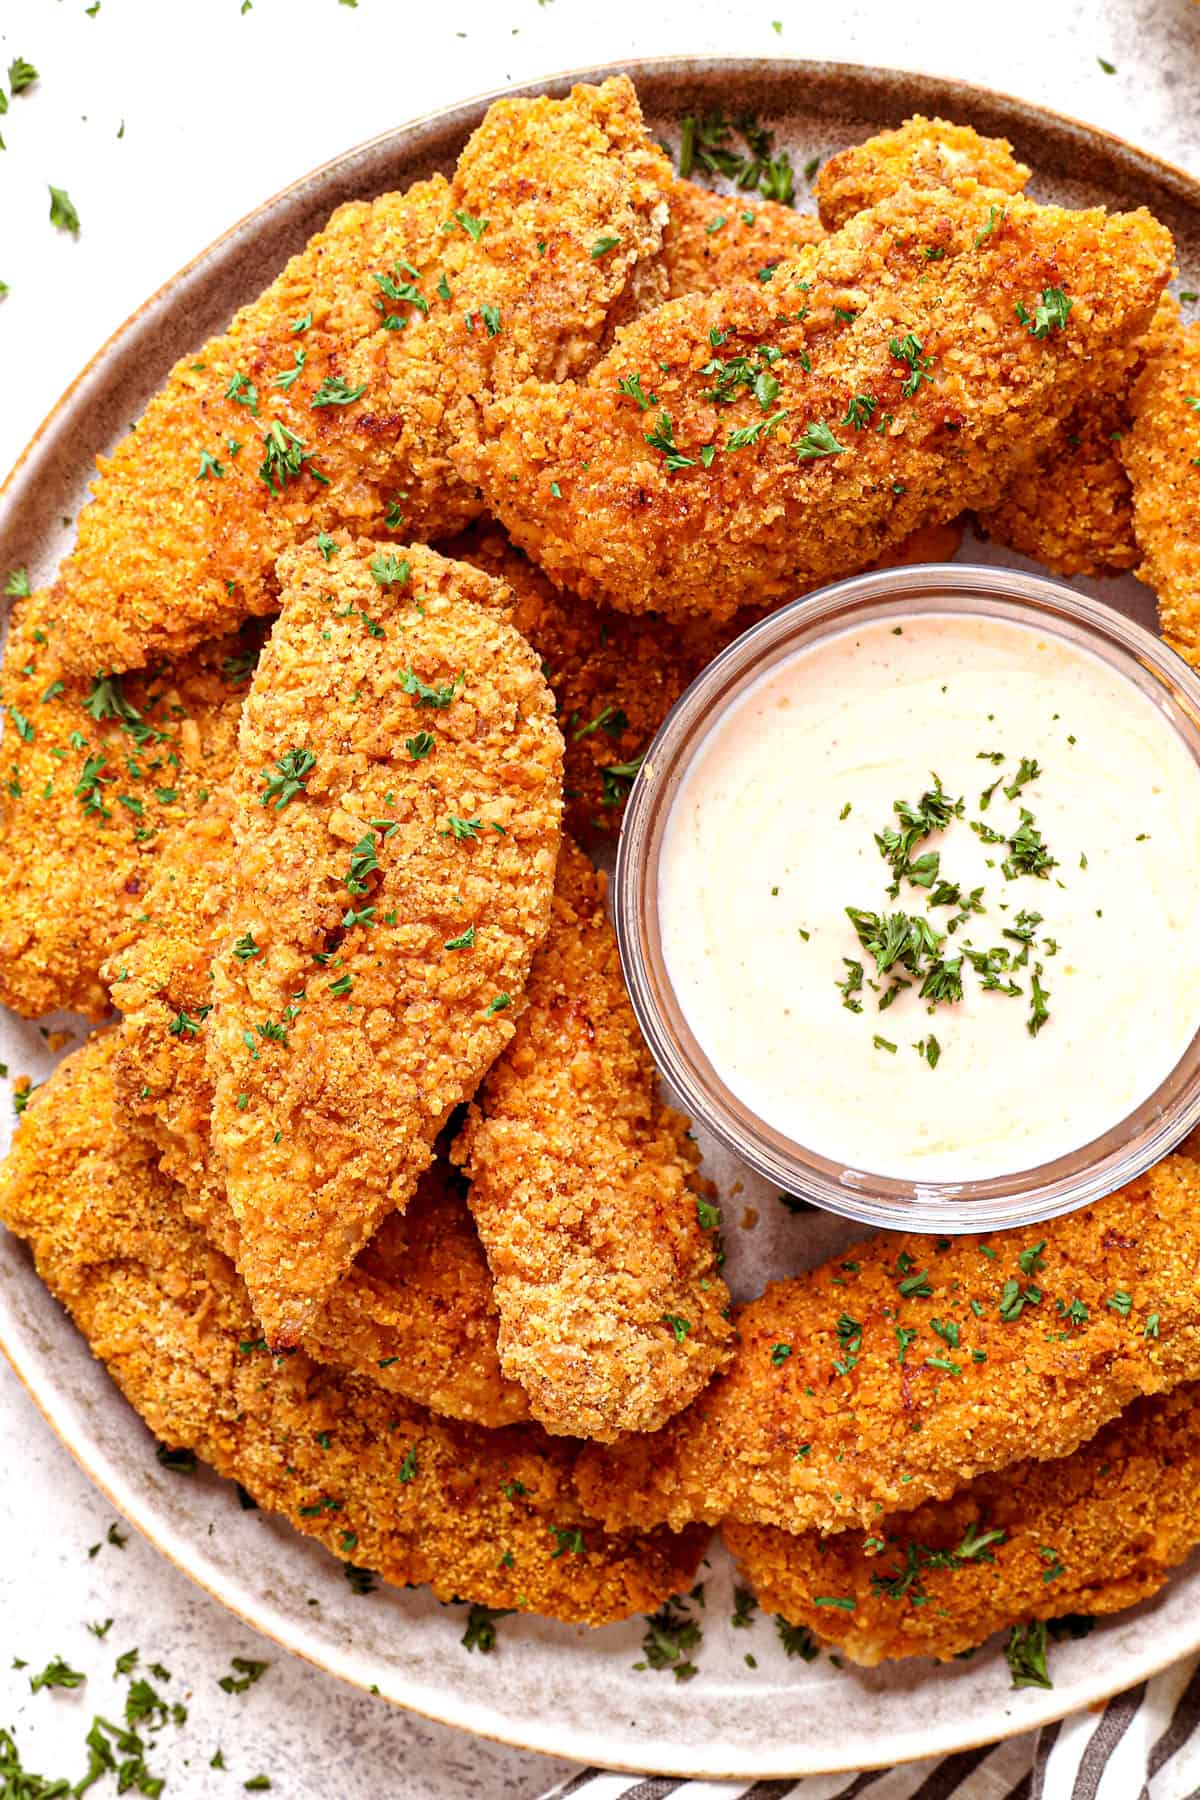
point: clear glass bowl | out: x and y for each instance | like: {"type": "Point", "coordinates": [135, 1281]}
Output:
{"type": "Point", "coordinates": [1096, 1168]}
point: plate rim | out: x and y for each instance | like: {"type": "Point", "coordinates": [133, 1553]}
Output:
{"type": "Point", "coordinates": [543, 1734]}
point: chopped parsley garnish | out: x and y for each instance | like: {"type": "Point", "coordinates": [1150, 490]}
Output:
{"type": "Point", "coordinates": [818, 440]}
{"type": "Point", "coordinates": [62, 212]}
{"type": "Point", "coordinates": [1050, 314]}
{"type": "Point", "coordinates": [424, 695]}
{"type": "Point", "coordinates": [474, 228]}
{"type": "Point", "coordinates": [1026, 1654]}
{"type": "Point", "coordinates": [293, 767]}
{"type": "Point", "coordinates": [672, 1633]}
{"type": "Point", "coordinates": [663, 438]}
{"type": "Point", "coordinates": [497, 1005]}
{"type": "Point", "coordinates": [284, 458]}
{"type": "Point", "coordinates": [390, 571]}
{"type": "Point", "coordinates": [481, 1627]}
{"type": "Point", "coordinates": [908, 350]}
{"type": "Point", "coordinates": [333, 391]}
{"type": "Point", "coordinates": [631, 387]}
{"type": "Point", "coordinates": [56, 1674]}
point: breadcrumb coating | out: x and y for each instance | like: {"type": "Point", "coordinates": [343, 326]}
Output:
{"type": "Point", "coordinates": [1072, 511]}
{"type": "Point", "coordinates": [909, 1365]}
{"type": "Point", "coordinates": [1094, 1532]}
{"type": "Point", "coordinates": [485, 1516]}
{"type": "Point", "coordinates": [396, 814]}
{"type": "Point", "coordinates": [712, 239]}
{"type": "Point", "coordinates": [333, 398]}
{"type": "Point", "coordinates": [584, 1188]}
{"type": "Point", "coordinates": [1162, 455]}
{"type": "Point", "coordinates": [644, 488]}
{"type": "Point", "coordinates": [415, 1312]}
{"type": "Point", "coordinates": [97, 775]}
{"type": "Point", "coordinates": [617, 675]}
{"type": "Point", "coordinates": [926, 153]}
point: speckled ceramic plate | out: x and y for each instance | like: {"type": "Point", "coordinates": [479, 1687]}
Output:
{"type": "Point", "coordinates": [567, 1692]}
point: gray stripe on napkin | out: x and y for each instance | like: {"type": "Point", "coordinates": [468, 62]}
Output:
{"type": "Point", "coordinates": [1184, 1721]}
{"type": "Point", "coordinates": [1046, 1740]}
{"type": "Point", "coordinates": [577, 1781]}
{"type": "Point", "coordinates": [951, 1772]}
{"type": "Point", "coordinates": [1115, 1721]}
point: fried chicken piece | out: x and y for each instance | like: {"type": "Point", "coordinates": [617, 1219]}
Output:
{"type": "Point", "coordinates": [396, 817]}
{"type": "Point", "coordinates": [487, 1516]}
{"type": "Point", "coordinates": [584, 1189]}
{"type": "Point", "coordinates": [712, 240]}
{"type": "Point", "coordinates": [415, 1313]}
{"type": "Point", "coordinates": [98, 774]}
{"type": "Point", "coordinates": [1072, 510]}
{"type": "Point", "coordinates": [333, 398]}
{"type": "Point", "coordinates": [873, 1383]}
{"type": "Point", "coordinates": [642, 503]}
{"type": "Point", "coordinates": [1162, 455]}
{"type": "Point", "coordinates": [616, 675]}
{"type": "Point", "coordinates": [1092, 1533]}
{"type": "Point", "coordinates": [924, 153]}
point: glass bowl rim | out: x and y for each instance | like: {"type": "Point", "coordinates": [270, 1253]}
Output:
{"type": "Point", "coordinates": [1132, 1145]}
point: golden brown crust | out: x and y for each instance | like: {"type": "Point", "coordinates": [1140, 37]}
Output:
{"type": "Point", "coordinates": [712, 239]}
{"type": "Point", "coordinates": [810, 1428]}
{"type": "Point", "coordinates": [91, 793]}
{"type": "Point", "coordinates": [182, 535]}
{"type": "Point", "coordinates": [569, 471]}
{"type": "Point", "coordinates": [583, 1189]}
{"type": "Point", "coordinates": [394, 899]}
{"type": "Point", "coordinates": [1092, 1533]}
{"type": "Point", "coordinates": [487, 1516]}
{"type": "Point", "coordinates": [928, 153]}
{"type": "Point", "coordinates": [415, 1312]}
{"type": "Point", "coordinates": [617, 675]}
{"type": "Point", "coordinates": [1162, 456]}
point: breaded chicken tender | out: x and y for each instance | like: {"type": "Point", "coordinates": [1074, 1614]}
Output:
{"type": "Point", "coordinates": [97, 775]}
{"type": "Point", "coordinates": [712, 239]}
{"type": "Point", "coordinates": [584, 1189]}
{"type": "Point", "coordinates": [415, 1313]}
{"type": "Point", "coordinates": [734, 446]}
{"type": "Point", "coordinates": [616, 675]}
{"type": "Point", "coordinates": [924, 153]}
{"type": "Point", "coordinates": [1091, 1533]}
{"type": "Point", "coordinates": [486, 1516]}
{"type": "Point", "coordinates": [1162, 455]}
{"type": "Point", "coordinates": [1072, 510]}
{"type": "Point", "coordinates": [396, 817]}
{"type": "Point", "coordinates": [333, 398]}
{"type": "Point", "coordinates": [897, 1372]}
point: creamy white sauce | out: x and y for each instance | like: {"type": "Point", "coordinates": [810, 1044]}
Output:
{"type": "Point", "coordinates": [755, 854]}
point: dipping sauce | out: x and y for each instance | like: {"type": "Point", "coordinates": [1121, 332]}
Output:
{"type": "Point", "coordinates": [1033, 975]}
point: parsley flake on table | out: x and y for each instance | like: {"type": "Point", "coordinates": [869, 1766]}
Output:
{"type": "Point", "coordinates": [62, 212]}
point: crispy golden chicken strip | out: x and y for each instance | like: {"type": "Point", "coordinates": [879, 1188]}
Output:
{"type": "Point", "coordinates": [415, 1313]}
{"type": "Point", "coordinates": [925, 153]}
{"type": "Point", "coordinates": [333, 398]}
{"type": "Point", "coordinates": [487, 1516]}
{"type": "Point", "coordinates": [1091, 1533]}
{"type": "Point", "coordinates": [712, 239]}
{"type": "Point", "coordinates": [1072, 510]}
{"type": "Point", "coordinates": [733, 446]}
{"type": "Point", "coordinates": [912, 1364]}
{"type": "Point", "coordinates": [396, 817]}
{"type": "Point", "coordinates": [1162, 455]}
{"type": "Point", "coordinates": [616, 675]}
{"type": "Point", "coordinates": [584, 1189]}
{"type": "Point", "coordinates": [97, 774]}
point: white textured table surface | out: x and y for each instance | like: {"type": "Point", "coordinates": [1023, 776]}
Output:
{"type": "Point", "coordinates": [220, 108]}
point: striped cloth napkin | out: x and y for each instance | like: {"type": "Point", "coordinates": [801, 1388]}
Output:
{"type": "Point", "coordinates": [1144, 1745]}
